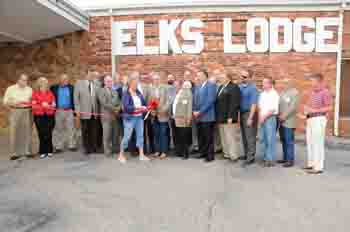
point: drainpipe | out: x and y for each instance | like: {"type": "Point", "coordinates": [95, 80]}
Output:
{"type": "Point", "coordinates": [339, 62]}
{"type": "Point", "coordinates": [113, 57]}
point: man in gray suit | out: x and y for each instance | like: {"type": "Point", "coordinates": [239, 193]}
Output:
{"type": "Point", "coordinates": [85, 102]}
{"type": "Point", "coordinates": [110, 107]}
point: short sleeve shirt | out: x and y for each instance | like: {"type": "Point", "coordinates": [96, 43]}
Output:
{"type": "Point", "coordinates": [249, 96]}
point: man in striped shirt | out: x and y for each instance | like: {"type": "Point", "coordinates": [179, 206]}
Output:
{"type": "Point", "coordinates": [316, 111]}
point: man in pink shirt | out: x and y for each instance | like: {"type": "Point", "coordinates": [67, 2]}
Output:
{"type": "Point", "coordinates": [315, 112]}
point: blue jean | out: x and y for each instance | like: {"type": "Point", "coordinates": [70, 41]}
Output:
{"type": "Point", "coordinates": [287, 139]}
{"type": "Point", "coordinates": [132, 123]}
{"type": "Point", "coordinates": [160, 136]}
{"type": "Point", "coordinates": [268, 132]}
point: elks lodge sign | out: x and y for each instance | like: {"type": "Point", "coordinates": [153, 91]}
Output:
{"type": "Point", "coordinates": [300, 35]}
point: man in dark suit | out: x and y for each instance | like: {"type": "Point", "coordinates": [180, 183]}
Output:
{"type": "Point", "coordinates": [204, 113]}
{"type": "Point", "coordinates": [227, 109]}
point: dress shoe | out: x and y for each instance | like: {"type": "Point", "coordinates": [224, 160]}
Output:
{"type": "Point", "coordinates": [243, 158]}
{"type": "Point", "coordinates": [208, 160]}
{"type": "Point", "coordinates": [281, 161]}
{"type": "Point", "coordinates": [73, 149]}
{"type": "Point", "coordinates": [248, 162]}
{"type": "Point", "coordinates": [185, 157]}
{"type": "Point", "coordinates": [308, 168]}
{"type": "Point", "coordinates": [314, 172]}
{"type": "Point", "coordinates": [15, 157]}
{"type": "Point", "coordinates": [288, 164]}
{"type": "Point", "coordinates": [234, 160]}
{"type": "Point", "coordinates": [30, 156]}
{"type": "Point", "coordinates": [201, 157]}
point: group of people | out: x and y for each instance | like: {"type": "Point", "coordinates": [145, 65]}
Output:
{"type": "Point", "coordinates": [198, 113]}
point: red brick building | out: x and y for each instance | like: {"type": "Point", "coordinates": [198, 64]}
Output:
{"type": "Point", "coordinates": [296, 64]}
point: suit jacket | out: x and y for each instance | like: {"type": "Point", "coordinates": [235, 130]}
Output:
{"type": "Point", "coordinates": [54, 90]}
{"type": "Point", "coordinates": [110, 103]}
{"type": "Point", "coordinates": [205, 101]}
{"type": "Point", "coordinates": [289, 102]}
{"type": "Point", "coordinates": [227, 103]}
{"type": "Point", "coordinates": [183, 113]}
{"type": "Point", "coordinates": [164, 101]}
{"type": "Point", "coordinates": [83, 101]}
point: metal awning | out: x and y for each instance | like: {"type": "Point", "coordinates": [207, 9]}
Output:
{"type": "Point", "coordinates": [32, 20]}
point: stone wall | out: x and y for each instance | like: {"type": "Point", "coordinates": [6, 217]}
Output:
{"type": "Point", "coordinates": [48, 58]}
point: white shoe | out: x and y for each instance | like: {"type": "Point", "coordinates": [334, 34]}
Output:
{"type": "Point", "coordinates": [43, 156]}
{"type": "Point", "coordinates": [50, 155]}
{"type": "Point", "coordinates": [122, 160]}
{"type": "Point", "coordinates": [144, 158]}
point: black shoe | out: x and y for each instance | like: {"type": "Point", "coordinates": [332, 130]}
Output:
{"type": "Point", "coordinates": [314, 172]}
{"type": "Point", "coordinates": [200, 157]}
{"type": "Point", "coordinates": [218, 152]}
{"type": "Point", "coordinates": [194, 152]}
{"type": "Point", "coordinates": [288, 164]}
{"type": "Point", "coordinates": [73, 149]}
{"type": "Point", "coordinates": [87, 153]}
{"type": "Point", "coordinates": [15, 157]}
{"type": "Point", "coordinates": [243, 158]}
{"type": "Point", "coordinates": [57, 151]}
{"type": "Point", "coordinates": [281, 161]}
{"type": "Point", "coordinates": [185, 157]}
{"type": "Point", "coordinates": [248, 162]}
{"type": "Point", "coordinates": [208, 160]}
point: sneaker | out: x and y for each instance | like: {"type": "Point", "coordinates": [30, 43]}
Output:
{"type": "Point", "coordinates": [43, 156]}
{"type": "Point", "coordinates": [50, 155]}
{"type": "Point", "coordinates": [144, 158]}
{"type": "Point", "coordinates": [122, 160]}
{"type": "Point", "coordinates": [163, 156]}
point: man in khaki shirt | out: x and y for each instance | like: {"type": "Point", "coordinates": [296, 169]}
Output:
{"type": "Point", "coordinates": [16, 98]}
{"type": "Point", "coordinates": [288, 107]}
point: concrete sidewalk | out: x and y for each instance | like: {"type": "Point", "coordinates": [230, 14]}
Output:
{"type": "Point", "coordinates": [73, 194]}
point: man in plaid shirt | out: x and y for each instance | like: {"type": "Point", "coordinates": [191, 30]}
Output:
{"type": "Point", "coordinates": [316, 111]}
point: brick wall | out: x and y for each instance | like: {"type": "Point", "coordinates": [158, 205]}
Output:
{"type": "Point", "coordinates": [294, 65]}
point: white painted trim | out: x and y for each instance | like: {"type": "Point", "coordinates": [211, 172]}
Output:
{"type": "Point", "coordinates": [209, 9]}
{"type": "Point", "coordinates": [63, 13]}
{"type": "Point", "coordinates": [15, 37]}
{"type": "Point", "coordinates": [338, 78]}
{"type": "Point", "coordinates": [113, 57]}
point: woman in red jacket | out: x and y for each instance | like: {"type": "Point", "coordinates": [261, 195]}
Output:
{"type": "Point", "coordinates": [44, 106]}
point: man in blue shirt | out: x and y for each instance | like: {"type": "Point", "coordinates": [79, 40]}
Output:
{"type": "Point", "coordinates": [64, 118]}
{"type": "Point", "coordinates": [248, 119]}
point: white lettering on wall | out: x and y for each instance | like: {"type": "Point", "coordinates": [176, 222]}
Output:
{"type": "Point", "coordinates": [302, 35]}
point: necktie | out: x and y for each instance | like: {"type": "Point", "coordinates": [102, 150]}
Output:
{"type": "Point", "coordinates": [90, 87]}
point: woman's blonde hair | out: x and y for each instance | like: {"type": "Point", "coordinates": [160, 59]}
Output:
{"type": "Point", "coordinates": [42, 83]}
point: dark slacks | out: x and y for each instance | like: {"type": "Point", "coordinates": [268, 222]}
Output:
{"type": "Point", "coordinates": [249, 135]}
{"type": "Point", "coordinates": [206, 139]}
{"type": "Point", "coordinates": [160, 132]}
{"type": "Point", "coordinates": [90, 132]}
{"type": "Point", "coordinates": [288, 141]}
{"type": "Point", "coordinates": [45, 125]}
{"type": "Point", "coordinates": [183, 141]}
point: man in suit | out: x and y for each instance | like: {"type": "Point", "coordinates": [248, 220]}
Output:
{"type": "Point", "coordinates": [110, 107]}
{"type": "Point", "coordinates": [160, 121]}
{"type": "Point", "coordinates": [204, 112]}
{"type": "Point", "coordinates": [85, 102]}
{"type": "Point", "coordinates": [64, 117]}
{"type": "Point", "coordinates": [227, 109]}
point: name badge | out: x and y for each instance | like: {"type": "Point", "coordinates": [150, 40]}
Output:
{"type": "Point", "coordinates": [185, 102]}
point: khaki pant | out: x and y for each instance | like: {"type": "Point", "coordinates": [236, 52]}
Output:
{"type": "Point", "coordinates": [111, 136]}
{"type": "Point", "coordinates": [21, 122]}
{"type": "Point", "coordinates": [64, 130]}
{"type": "Point", "coordinates": [315, 139]}
{"type": "Point", "coordinates": [229, 140]}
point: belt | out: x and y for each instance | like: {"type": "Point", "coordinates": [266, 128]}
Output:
{"type": "Point", "coordinates": [313, 115]}
{"type": "Point", "coordinates": [22, 108]}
